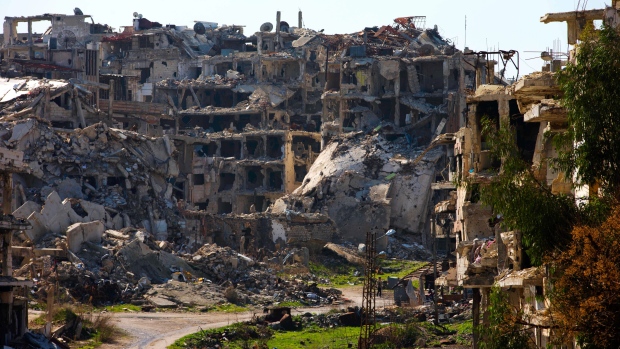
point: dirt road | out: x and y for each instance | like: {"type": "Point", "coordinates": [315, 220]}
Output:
{"type": "Point", "coordinates": [159, 330]}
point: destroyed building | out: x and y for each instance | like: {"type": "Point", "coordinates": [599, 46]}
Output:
{"type": "Point", "coordinates": [179, 136]}
{"type": "Point", "coordinates": [289, 130]}
{"type": "Point", "coordinates": [486, 255]}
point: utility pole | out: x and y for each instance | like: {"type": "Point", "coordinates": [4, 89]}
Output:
{"type": "Point", "coordinates": [434, 233]}
{"type": "Point", "coordinates": [368, 296]}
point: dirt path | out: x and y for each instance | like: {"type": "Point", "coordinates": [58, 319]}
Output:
{"type": "Point", "coordinates": [159, 330]}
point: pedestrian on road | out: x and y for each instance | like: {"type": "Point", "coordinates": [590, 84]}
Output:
{"type": "Point", "coordinates": [379, 285]}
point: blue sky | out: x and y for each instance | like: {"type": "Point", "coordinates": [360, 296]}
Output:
{"type": "Point", "coordinates": [491, 24]}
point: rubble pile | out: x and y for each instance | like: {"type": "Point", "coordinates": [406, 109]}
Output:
{"type": "Point", "coordinates": [96, 173]}
{"type": "Point", "coordinates": [409, 250]}
{"type": "Point", "coordinates": [366, 183]}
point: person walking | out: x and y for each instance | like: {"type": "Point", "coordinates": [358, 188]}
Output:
{"type": "Point", "coordinates": [379, 286]}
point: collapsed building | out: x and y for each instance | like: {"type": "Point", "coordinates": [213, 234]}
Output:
{"type": "Point", "coordinates": [248, 116]}
{"type": "Point", "coordinates": [142, 145]}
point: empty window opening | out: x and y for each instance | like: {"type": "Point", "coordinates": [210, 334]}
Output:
{"type": "Point", "coordinates": [223, 122]}
{"type": "Point", "coordinates": [227, 181]}
{"type": "Point", "coordinates": [92, 181]}
{"type": "Point", "coordinates": [145, 74]}
{"type": "Point", "coordinates": [202, 206]}
{"type": "Point", "coordinates": [275, 181]}
{"type": "Point", "coordinates": [254, 177]}
{"type": "Point", "coordinates": [254, 146]}
{"type": "Point", "coordinates": [246, 68]}
{"type": "Point", "coordinates": [527, 133]}
{"type": "Point", "coordinates": [222, 68]}
{"type": "Point", "coordinates": [406, 116]}
{"type": "Point", "coordinates": [111, 181]}
{"type": "Point", "coordinates": [490, 110]}
{"type": "Point", "coordinates": [166, 124]}
{"type": "Point", "coordinates": [312, 108]}
{"type": "Point", "coordinates": [230, 149]}
{"type": "Point", "coordinates": [388, 108]}
{"type": "Point", "coordinates": [179, 189]}
{"type": "Point", "coordinates": [453, 80]}
{"type": "Point", "coordinates": [430, 76]}
{"type": "Point", "coordinates": [146, 42]}
{"type": "Point", "coordinates": [300, 173]}
{"type": "Point", "coordinates": [244, 205]}
{"type": "Point", "coordinates": [222, 99]}
{"type": "Point", "coordinates": [333, 82]}
{"type": "Point", "coordinates": [309, 143]}
{"type": "Point", "coordinates": [206, 149]}
{"type": "Point", "coordinates": [404, 81]}
{"type": "Point", "coordinates": [252, 119]}
{"type": "Point", "coordinates": [274, 147]}
{"type": "Point", "coordinates": [198, 178]}
{"type": "Point", "coordinates": [298, 122]}
{"type": "Point", "coordinates": [224, 207]}
{"type": "Point", "coordinates": [316, 120]}
{"type": "Point", "coordinates": [259, 205]}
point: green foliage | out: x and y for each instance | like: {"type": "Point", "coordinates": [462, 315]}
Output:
{"type": "Point", "coordinates": [229, 308]}
{"type": "Point", "coordinates": [339, 276]}
{"type": "Point", "coordinates": [314, 337]}
{"type": "Point", "coordinates": [399, 267]}
{"type": "Point", "coordinates": [291, 304]}
{"type": "Point", "coordinates": [464, 331]}
{"type": "Point", "coordinates": [504, 330]}
{"type": "Point", "coordinates": [120, 308]}
{"type": "Point", "coordinates": [236, 336]}
{"type": "Point", "coordinates": [526, 203]}
{"type": "Point", "coordinates": [592, 100]}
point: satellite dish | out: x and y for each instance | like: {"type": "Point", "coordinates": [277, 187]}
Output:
{"type": "Point", "coordinates": [66, 39]}
{"type": "Point", "coordinates": [266, 27]}
{"type": "Point", "coordinates": [135, 15]}
{"type": "Point", "coordinates": [199, 28]}
{"type": "Point", "coordinates": [78, 12]}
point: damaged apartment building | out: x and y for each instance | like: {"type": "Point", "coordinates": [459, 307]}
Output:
{"type": "Point", "coordinates": [486, 254]}
{"type": "Point", "coordinates": [241, 117]}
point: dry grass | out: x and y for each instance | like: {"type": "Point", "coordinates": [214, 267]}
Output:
{"type": "Point", "coordinates": [106, 330]}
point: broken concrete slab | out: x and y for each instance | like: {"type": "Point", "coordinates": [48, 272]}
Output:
{"type": "Point", "coordinates": [160, 302]}
{"type": "Point", "coordinates": [25, 210]}
{"type": "Point", "coordinates": [79, 233]}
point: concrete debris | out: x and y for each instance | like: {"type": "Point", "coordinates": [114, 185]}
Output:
{"type": "Point", "coordinates": [366, 183]}
{"type": "Point", "coordinates": [172, 166]}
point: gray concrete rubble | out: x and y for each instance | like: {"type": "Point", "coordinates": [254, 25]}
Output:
{"type": "Point", "coordinates": [175, 166]}
{"type": "Point", "coordinates": [367, 183]}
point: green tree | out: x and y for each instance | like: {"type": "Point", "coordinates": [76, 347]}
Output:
{"type": "Point", "coordinates": [592, 101]}
{"type": "Point", "coordinates": [581, 241]}
{"type": "Point", "coordinates": [525, 202]}
{"type": "Point", "coordinates": [505, 329]}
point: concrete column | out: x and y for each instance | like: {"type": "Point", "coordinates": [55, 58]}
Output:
{"type": "Point", "coordinates": [7, 255]}
{"type": "Point", "coordinates": [7, 192]}
{"type": "Point", "coordinates": [504, 112]}
{"type": "Point", "coordinates": [446, 75]}
{"type": "Point", "coordinates": [111, 100]}
{"type": "Point", "coordinates": [278, 30]}
{"type": "Point", "coordinates": [30, 48]}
